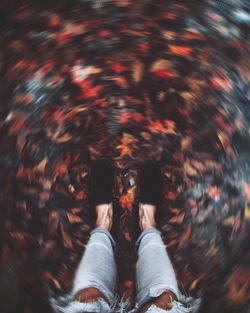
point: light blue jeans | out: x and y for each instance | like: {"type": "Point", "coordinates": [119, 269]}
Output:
{"type": "Point", "coordinates": [97, 268]}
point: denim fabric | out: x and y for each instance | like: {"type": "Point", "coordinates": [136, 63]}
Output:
{"type": "Point", "coordinates": [97, 268]}
{"type": "Point", "coordinates": [154, 270]}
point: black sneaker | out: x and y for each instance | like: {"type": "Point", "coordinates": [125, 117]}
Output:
{"type": "Point", "coordinates": [101, 182]}
{"type": "Point", "coordinates": [150, 183]}
{"type": "Point", "coordinates": [150, 187]}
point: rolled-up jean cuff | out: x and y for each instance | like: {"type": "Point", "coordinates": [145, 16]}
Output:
{"type": "Point", "coordinates": [106, 232]}
{"type": "Point", "coordinates": [151, 230]}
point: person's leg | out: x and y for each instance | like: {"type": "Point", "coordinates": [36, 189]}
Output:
{"type": "Point", "coordinates": [155, 276]}
{"type": "Point", "coordinates": [96, 274]}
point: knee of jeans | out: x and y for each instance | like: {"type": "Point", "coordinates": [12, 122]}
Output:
{"type": "Point", "coordinates": [89, 295]}
{"type": "Point", "coordinates": [164, 301]}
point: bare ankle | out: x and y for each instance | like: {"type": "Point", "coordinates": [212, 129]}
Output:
{"type": "Point", "coordinates": [104, 214]}
{"type": "Point", "coordinates": [147, 216]}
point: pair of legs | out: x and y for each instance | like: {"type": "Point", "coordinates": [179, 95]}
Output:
{"type": "Point", "coordinates": [95, 280]}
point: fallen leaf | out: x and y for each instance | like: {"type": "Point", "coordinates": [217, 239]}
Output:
{"type": "Point", "coordinates": [81, 195]}
{"type": "Point", "coordinates": [66, 137]}
{"type": "Point", "coordinates": [127, 236]}
{"type": "Point", "coordinates": [229, 221]}
{"type": "Point", "coordinates": [56, 283]}
{"type": "Point", "coordinates": [163, 128]}
{"type": "Point", "coordinates": [74, 218]}
{"type": "Point", "coordinates": [137, 71]}
{"type": "Point", "coordinates": [126, 200]}
{"type": "Point", "coordinates": [194, 284]}
{"type": "Point", "coordinates": [185, 237]}
{"type": "Point", "coordinates": [119, 68]}
{"type": "Point", "coordinates": [189, 170]}
{"type": "Point", "coordinates": [41, 166]}
{"type": "Point", "coordinates": [247, 212]}
{"type": "Point", "coordinates": [66, 238]}
{"type": "Point", "coordinates": [177, 219]}
{"type": "Point", "coordinates": [214, 193]}
{"type": "Point", "coordinates": [180, 50]}
{"type": "Point", "coordinates": [53, 222]}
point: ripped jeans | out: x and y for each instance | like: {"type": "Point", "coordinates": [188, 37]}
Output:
{"type": "Point", "coordinates": [97, 268]}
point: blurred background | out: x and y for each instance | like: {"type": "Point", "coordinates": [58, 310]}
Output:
{"type": "Point", "coordinates": [129, 81]}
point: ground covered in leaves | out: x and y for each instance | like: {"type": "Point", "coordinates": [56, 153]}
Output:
{"type": "Point", "coordinates": [129, 81]}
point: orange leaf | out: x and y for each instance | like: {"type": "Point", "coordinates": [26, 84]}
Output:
{"type": "Point", "coordinates": [137, 117]}
{"type": "Point", "coordinates": [180, 50]}
{"type": "Point", "coordinates": [189, 170]}
{"type": "Point", "coordinates": [124, 117]}
{"type": "Point", "coordinates": [158, 127]}
{"type": "Point", "coordinates": [126, 200]}
{"type": "Point", "coordinates": [137, 71]}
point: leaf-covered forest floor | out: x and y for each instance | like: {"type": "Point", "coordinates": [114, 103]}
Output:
{"type": "Point", "coordinates": [165, 80]}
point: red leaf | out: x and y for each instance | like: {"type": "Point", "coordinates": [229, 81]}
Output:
{"type": "Point", "coordinates": [81, 195]}
{"type": "Point", "coordinates": [162, 73]}
{"type": "Point", "coordinates": [137, 117]}
{"type": "Point", "coordinates": [92, 92]}
{"type": "Point", "coordinates": [118, 68]}
{"type": "Point", "coordinates": [104, 33]}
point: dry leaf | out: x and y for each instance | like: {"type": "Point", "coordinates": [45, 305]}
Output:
{"type": "Point", "coordinates": [185, 237]}
{"type": "Point", "coordinates": [76, 210]}
{"type": "Point", "coordinates": [247, 212]}
{"type": "Point", "coordinates": [61, 139]}
{"type": "Point", "coordinates": [180, 50]}
{"type": "Point", "coordinates": [161, 64]}
{"type": "Point", "coordinates": [41, 166]}
{"type": "Point", "coordinates": [126, 200]}
{"type": "Point", "coordinates": [54, 280]}
{"type": "Point", "coordinates": [73, 218]}
{"type": "Point", "coordinates": [53, 222]}
{"type": "Point", "coordinates": [127, 236]}
{"type": "Point", "coordinates": [137, 71]}
{"type": "Point", "coordinates": [194, 284]}
{"type": "Point", "coordinates": [66, 238]}
{"type": "Point", "coordinates": [189, 170]}
{"type": "Point", "coordinates": [186, 143]}
{"type": "Point", "coordinates": [177, 219]}
{"type": "Point", "coordinates": [229, 221]}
